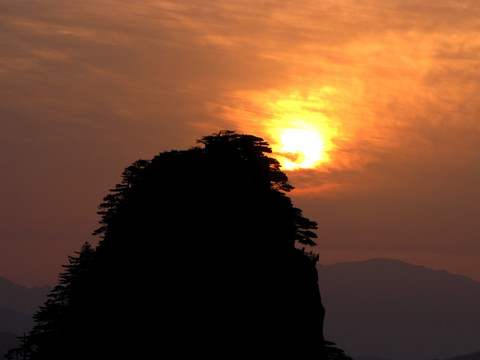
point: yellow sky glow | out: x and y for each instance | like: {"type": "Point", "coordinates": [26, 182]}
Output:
{"type": "Point", "coordinates": [300, 131]}
{"type": "Point", "coordinates": [299, 126]}
{"type": "Point", "coordinates": [307, 148]}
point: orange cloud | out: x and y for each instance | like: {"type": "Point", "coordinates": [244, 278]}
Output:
{"type": "Point", "coordinates": [388, 87]}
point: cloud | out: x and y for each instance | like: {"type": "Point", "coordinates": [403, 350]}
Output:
{"type": "Point", "coordinates": [89, 86]}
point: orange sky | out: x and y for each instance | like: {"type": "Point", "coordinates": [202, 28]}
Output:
{"type": "Point", "coordinates": [389, 86]}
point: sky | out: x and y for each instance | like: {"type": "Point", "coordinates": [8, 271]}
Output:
{"type": "Point", "coordinates": [383, 95]}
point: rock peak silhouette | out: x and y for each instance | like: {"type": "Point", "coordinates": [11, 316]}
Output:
{"type": "Point", "coordinates": [197, 257]}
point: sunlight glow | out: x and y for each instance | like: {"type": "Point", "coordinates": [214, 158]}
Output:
{"type": "Point", "coordinates": [302, 127]}
{"type": "Point", "coordinates": [301, 148]}
{"type": "Point", "coordinates": [301, 133]}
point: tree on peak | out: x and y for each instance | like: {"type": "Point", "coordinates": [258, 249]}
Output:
{"type": "Point", "coordinates": [251, 150]}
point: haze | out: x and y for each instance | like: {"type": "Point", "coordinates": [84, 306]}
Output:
{"type": "Point", "coordinates": [389, 87]}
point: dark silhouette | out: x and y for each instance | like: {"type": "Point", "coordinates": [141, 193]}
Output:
{"type": "Point", "coordinates": [334, 352]}
{"type": "Point", "coordinates": [197, 257]}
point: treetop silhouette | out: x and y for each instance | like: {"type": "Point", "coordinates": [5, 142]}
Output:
{"type": "Point", "coordinates": [229, 161]}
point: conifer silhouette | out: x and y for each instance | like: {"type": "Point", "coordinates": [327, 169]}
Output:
{"type": "Point", "coordinates": [197, 257]}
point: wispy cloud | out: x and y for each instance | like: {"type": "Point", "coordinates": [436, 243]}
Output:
{"type": "Point", "coordinates": [393, 85]}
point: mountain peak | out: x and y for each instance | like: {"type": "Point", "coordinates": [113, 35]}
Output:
{"type": "Point", "coordinates": [395, 267]}
{"type": "Point", "coordinates": [399, 303]}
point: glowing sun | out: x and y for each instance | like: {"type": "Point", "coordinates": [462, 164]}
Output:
{"type": "Point", "coordinates": [300, 148]}
{"type": "Point", "coordinates": [300, 126]}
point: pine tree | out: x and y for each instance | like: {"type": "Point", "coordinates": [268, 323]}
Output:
{"type": "Point", "coordinates": [54, 318]}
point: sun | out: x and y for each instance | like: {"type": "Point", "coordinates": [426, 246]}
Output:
{"type": "Point", "coordinates": [301, 127]}
{"type": "Point", "coordinates": [300, 148]}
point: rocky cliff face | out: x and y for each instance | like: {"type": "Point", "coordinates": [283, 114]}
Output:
{"type": "Point", "coordinates": [201, 245]}
{"type": "Point", "coordinates": [220, 237]}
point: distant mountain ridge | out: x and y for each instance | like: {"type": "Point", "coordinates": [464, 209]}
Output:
{"type": "Point", "coordinates": [386, 308]}
{"type": "Point", "coordinates": [21, 298]}
{"type": "Point", "coordinates": [17, 305]}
